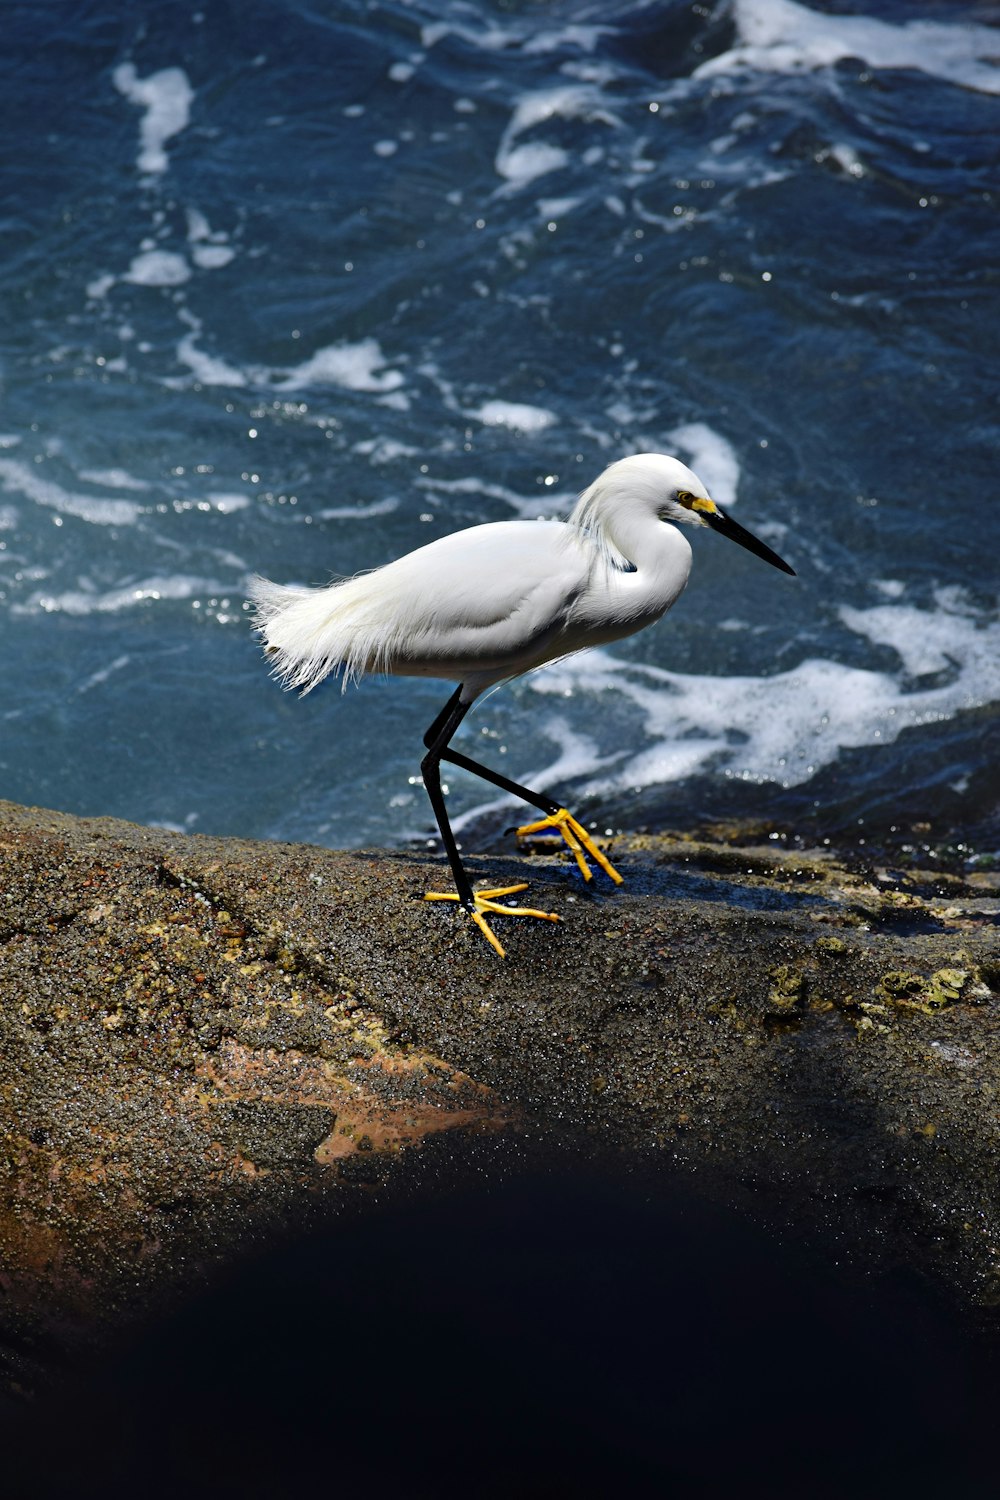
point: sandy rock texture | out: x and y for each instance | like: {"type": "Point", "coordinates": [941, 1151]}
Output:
{"type": "Point", "coordinates": [202, 1040]}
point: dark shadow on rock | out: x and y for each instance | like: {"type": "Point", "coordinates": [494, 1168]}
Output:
{"type": "Point", "coordinates": [555, 1331]}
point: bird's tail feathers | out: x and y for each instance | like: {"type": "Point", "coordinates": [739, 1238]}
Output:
{"type": "Point", "coordinates": [309, 633]}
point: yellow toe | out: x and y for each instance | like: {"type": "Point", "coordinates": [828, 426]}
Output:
{"type": "Point", "coordinates": [577, 839]}
{"type": "Point", "coordinates": [489, 902]}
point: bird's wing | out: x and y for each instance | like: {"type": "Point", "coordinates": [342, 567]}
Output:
{"type": "Point", "coordinates": [490, 600]}
{"type": "Point", "coordinates": [486, 597]}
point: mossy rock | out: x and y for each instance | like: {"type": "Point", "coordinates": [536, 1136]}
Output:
{"type": "Point", "coordinates": [913, 991]}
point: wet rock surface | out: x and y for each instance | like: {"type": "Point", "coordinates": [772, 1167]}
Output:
{"type": "Point", "coordinates": [207, 1045]}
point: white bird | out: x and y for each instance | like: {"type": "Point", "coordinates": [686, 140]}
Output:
{"type": "Point", "coordinates": [486, 604]}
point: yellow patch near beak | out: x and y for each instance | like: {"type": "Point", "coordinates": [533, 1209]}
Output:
{"type": "Point", "coordinates": [709, 507]}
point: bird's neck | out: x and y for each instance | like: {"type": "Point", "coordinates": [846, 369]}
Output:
{"type": "Point", "coordinates": [639, 572]}
{"type": "Point", "coordinates": [651, 548]}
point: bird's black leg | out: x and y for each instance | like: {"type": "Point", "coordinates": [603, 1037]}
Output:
{"type": "Point", "coordinates": [476, 903]}
{"type": "Point", "coordinates": [452, 715]}
{"type": "Point", "coordinates": [544, 804]}
{"type": "Point", "coordinates": [436, 739]}
{"type": "Point", "coordinates": [556, 816]}
{"type": "Point", "coordinates": [454, 703]}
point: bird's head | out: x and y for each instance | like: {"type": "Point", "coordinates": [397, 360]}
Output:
{"type": "Point", "coordinates": [660, 485]}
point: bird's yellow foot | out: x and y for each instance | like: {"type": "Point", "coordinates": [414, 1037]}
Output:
{"type": "Point", "coordinates": [488, 901]}
{"type": "Point", "coordinates": [577, 838]}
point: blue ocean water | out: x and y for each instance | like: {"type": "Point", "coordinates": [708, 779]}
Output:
{"type": "Point", "coordinates": [293, 287]}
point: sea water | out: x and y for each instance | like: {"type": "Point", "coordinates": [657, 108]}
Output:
{"type": "Point", "coordinates": [293, 288]}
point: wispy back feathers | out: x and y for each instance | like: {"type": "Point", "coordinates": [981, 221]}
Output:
{"type": "Point", "coordinates": [310, 632]}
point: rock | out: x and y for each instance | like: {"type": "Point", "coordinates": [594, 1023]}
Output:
{"type": "Point", "coordinates": [205, 1040]}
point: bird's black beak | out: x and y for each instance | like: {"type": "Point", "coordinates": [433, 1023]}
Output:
{"type": "Point", "coordinates": [737, 533]}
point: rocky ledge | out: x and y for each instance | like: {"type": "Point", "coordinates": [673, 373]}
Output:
{"type": "Point", "coordinates": [203, 1039]}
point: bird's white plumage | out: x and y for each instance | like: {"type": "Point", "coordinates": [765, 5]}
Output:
{"type": "Point", "coordinates": [496, 600]}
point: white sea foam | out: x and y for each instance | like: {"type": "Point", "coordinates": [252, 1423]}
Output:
{"type": "Point", "coordinates": [227, 504]}
{"type": "Point", "coordinates": [207, 369]}
{"type": "Point", "coordinates": [87, 600]}
{"type": "Point", "coordinates": [212, 257]}
{"type": "Point", "coordinates": [491, 38]}
{"type": "Point", "coordinates": [383, 450]}
{"type": "Point", "coordinates": [103, 673]}
{"type": "Point", "coordinates": [583, 38]}
{"type": "Point", "coordinates": [395, 401]}
{"type": "Point", "coordinates": [514, 414]}
{"type": "Point", "coordinates": [550, 503]}
{"type": "Point", "coordinates": [198, 226]}
{"type": "Point", "coordinates": [166, 97]}
{"type": "Point", "coordinates": [355, 512]}
{"type": "Point", "coordinates": [402, 72]}
{"type": "Point", "coordinates": [786, 727]}
{"type": "Point", "coordinates": [101, 285]}
{"type": "Point", "coordinates": [114, 479]}
{"type": "Point", "coordinates": [155, 266]}
{"type": "Point", "coordinates": [926, 644]}
{"type": "Point", "coordinates": [847, 159]}
{"type": "Point", "coordinates": [556, 208]}
{"type": "Point", "coordinates": [782, 36]}
{"type": "Point", "coordinates": [24, 479]}
{"type": "Point", "coordinates": [520, 164]}
{"type": "Point", "coordinates": [354, 367]}
{"type": "Point", "coordinates": [210, 249]}
{"type": "Point", "coordinates": [158, 268]}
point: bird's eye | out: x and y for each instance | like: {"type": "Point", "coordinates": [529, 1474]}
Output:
{"type": "Point", "coordinates": [684, 497]}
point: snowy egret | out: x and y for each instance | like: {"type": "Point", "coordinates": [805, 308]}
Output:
{"type": "Point", "coordinates": [491, 602]}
